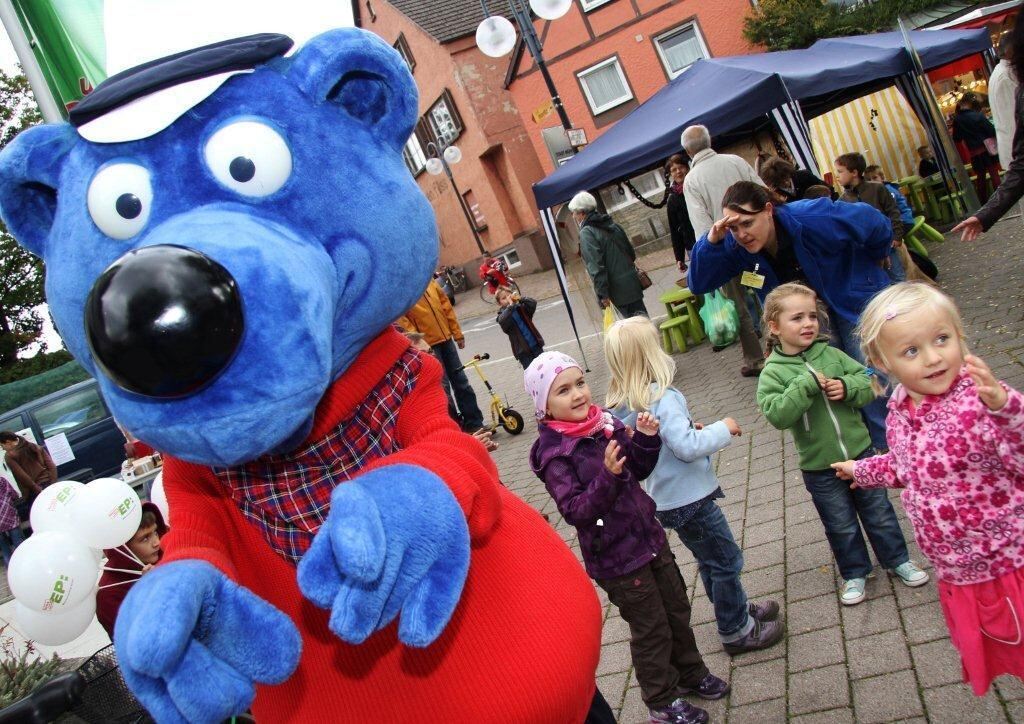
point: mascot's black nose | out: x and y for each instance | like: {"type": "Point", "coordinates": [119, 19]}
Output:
{"type": "Point", "coordinates": [164, 321]}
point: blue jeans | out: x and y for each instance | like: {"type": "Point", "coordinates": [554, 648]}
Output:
{"type": "Point", "coordinates": [874, 413]}
{"type": "Point", "coordinates": [896, 271]}
{"type": "Point", "coordinates": [839, 507]}
{"type": "Point", "coordinates": [9, 540]}
{"type": "Point", "coordinates": [465, 398]}
{"type": "Point", "coordinates": [708, 537]}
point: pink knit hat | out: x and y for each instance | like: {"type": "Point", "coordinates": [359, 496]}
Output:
{"type": "Point", "coordinates": [540, 375]}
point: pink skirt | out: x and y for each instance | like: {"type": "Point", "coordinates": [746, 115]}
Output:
{"type": "Point", "coordinates": [986, 625]}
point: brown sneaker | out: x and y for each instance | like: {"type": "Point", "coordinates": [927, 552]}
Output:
{"type": "Point", "coordinates": [763, 635]}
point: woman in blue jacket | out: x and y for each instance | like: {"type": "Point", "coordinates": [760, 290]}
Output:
{"type": "Point", "coordinates": [835, 248]}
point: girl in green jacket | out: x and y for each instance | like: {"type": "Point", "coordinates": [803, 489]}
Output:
{"type": "Point", "coordinates": [815, 391]}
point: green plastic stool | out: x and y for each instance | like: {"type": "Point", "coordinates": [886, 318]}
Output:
{"type": "Point", "coordinates": [954, 203]}
{"type": "Point", "coordinates": [913, 236]}
{"type": "Point", "coordinates": [674, 331]}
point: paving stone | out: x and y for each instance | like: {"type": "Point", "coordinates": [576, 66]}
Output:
{"type": "Point", "coordinates": [1010, 687]}
{"type": "Point", "coordinates": [936, 663]}
{"type": "Point", "coordinates": [764, 513]}
{"type": "Point", "coordinates": [614, 658]}
{"type": "Point", "coordinates": [809, 556]}
{"type": "Point", "coordinates": [769, 495]}
{"type": "Point", "coordinates": [818, 689]}
{"type": "Point", "coordinates": [614, 630]}
{"type": "Point", "coordinates": [1016, 710]}
{"type": "Point", "coordinates": [804, 512]}
{"type": "Point", "coordinates": [801, 534]}
{"type": "Point", "coordinates": [957, 704]}
{"type": "Point", "coordinates": [924, 623]}
{"type": "Point", "coordinates": [872, 616]}
{"type": "Point", "coordinates": [763, 556]}
{"type": "Point", "coordinates": [763, 581]}
{"type": "Point", "coordinates": [815, 649]}
{"type": "Point", "coordinates": [878, 654]}
{"type": "Point", "coordinates": [908, 597]}
{"type": "Point", "coordinates": [701, 609]}
{"type": "Point", "coordinates": [755, 535]}
{"type": "Point", "coordinates": [758, 682]}
{"type": "Point", "coordinates": [812, 614]}
{"type": "Point", "coordinates": [808, 584]}
{"type": "Point", "coordinates": [887, 697]}
{"type": "Point", "coordinates": [763, 712]}
{"type": "Point", "coordinates": [633, 709]}
{"type": "Point", "coordinates": [613, 688]}
{"type": "Point", "coordinates": [832, 716]}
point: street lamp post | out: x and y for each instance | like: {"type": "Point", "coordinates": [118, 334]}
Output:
{"type": "Point", "coordinates": [496, 37]}
{"type": "Point", "coordinates": [441, 156]}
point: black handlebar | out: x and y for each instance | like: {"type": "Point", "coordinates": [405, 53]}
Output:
{"type": "Point", "coordinates": [57, 696]}
{"type": "Point", "coordinates": [485, 355]}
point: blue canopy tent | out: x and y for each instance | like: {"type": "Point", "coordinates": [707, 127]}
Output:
{"type": "Point", "coordinates": [741, 93]}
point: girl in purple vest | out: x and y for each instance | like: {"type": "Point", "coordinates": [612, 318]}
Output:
{"type": "Point", "coordinates": [592, 465]}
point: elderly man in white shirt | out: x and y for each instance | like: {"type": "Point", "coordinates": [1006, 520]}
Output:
{"type": "Point", "coordinates": [711, 173]}
{"type": "Point", "coordinates": [1002, 92]}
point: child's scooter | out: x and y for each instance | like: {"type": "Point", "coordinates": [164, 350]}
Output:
{"type": "Point", "coordinates": [501, 413]}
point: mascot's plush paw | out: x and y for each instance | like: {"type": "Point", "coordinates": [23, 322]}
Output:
{"type": "Point", "coordinates": [191, 643]}
{"type": "Point", "coordinates": [395, 540]}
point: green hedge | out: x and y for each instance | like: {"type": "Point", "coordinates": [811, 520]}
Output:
{"type": "Point", "coordinates": [18, 393]}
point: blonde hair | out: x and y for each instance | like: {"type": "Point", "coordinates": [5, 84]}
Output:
{"type": "Point", "coordinates": [892, 302]}
{"type": "Point", "coordinates": [773, 308]}
{"type": "Point", "coordinates": [636, 359]}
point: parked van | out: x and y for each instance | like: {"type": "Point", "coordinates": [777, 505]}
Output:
{"type": "Point", "coordinates": [94, 443]}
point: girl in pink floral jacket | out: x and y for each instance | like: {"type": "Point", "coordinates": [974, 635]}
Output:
{"type": "Point", "coordinates": [956, 447]}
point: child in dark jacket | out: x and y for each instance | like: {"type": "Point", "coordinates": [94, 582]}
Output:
{"type": "Point", "coordinates": [591, 465]}
{"type": "Point", "coordinates": [515, 317]}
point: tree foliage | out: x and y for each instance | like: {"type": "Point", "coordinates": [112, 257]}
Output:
{"type": "Point", "coordinates": [21, 274]}
{"type": "Point", "coordinates": [790, 24]}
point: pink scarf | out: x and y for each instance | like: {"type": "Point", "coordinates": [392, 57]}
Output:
{"type": "Point", "coordinates": [597, 419]}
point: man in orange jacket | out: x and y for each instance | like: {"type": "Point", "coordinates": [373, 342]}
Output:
{"type": "Point", "coordinates": [434, 318]}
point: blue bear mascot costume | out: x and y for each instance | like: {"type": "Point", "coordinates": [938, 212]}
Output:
{"type": "Point", "coordinates": [340, 551]}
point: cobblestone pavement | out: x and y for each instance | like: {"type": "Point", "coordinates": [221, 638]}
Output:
{"type": "Point", "coordinates": [887, 659]}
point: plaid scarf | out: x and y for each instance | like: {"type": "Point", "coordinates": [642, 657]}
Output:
{"type": "Point", "coordinates": [288, 496]}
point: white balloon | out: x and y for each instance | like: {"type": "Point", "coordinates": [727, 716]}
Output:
{"type": "Point", "coordinates": [52, 507]}
{"type": "Point", "coordinates": [550, 9]}
{"type": "Point", "coordinates": [52, 572]}
{"type": "Point", "coordinates": [107, 513]}
{"type": "Point", "coordinates": [495, 36]}
{"type": "Point", "coordinates": [158, 497]}
{"type": "Point", "coordinates": [52, 630]}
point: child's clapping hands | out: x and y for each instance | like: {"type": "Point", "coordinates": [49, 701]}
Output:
{"type": "Point", "coordinates": [647, 424]}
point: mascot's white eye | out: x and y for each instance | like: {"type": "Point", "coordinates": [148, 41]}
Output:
{"type": "Point", "coordinates": [250, 158]}
{"type": "Point", "coordinates": [119, 198]}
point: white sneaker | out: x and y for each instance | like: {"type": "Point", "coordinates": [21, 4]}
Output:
{"type": "Point", "coordinates": [910, 574]}
{"type": "Point", "coordinates": [852, 592]}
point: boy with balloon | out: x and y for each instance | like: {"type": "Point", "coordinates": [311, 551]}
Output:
{"type": "Point", "coordinates": [54, 575]}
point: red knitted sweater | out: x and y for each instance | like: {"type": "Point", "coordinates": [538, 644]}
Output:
{"type": "Point", "coordinates": [524, 641]}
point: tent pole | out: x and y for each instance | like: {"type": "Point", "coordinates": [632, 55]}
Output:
{"type": "Point", "coordinates": [551, 231]}
{"type": "Point", "coordinates": [938, 124]}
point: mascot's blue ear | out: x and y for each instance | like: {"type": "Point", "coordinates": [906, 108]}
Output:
{"type": "Point", "coordinates": [362, 75]}
{"type": "Point", "coordinates": [30, 169]}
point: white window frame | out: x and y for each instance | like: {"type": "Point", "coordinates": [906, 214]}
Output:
{"type": "Point", "coordinates": [581, 76]}
{"type": "Point", "coordinates": [627, 198]}
{"type": "Point", "coordinates": [679, 29]}
{"type": "Point", "coordinates": [413, 154]}
{"type": "Point", "coordinates": [442, 122]}
{"type": "Point", "coordinates": [589, 5]}
{"type": "Point", "coordinates": [504, 257]}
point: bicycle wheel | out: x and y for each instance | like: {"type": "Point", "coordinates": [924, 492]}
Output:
{"type": "Point", "coordinates": [512, 421]}
{"type": "Point", "coordinates": [486, 296]}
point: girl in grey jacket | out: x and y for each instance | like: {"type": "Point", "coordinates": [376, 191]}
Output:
{"type": "Point", "coordinates": [683, 483]}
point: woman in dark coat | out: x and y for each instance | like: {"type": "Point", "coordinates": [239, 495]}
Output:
{"type": "Point", "coordinates": [679, 225]}
{"type": "Point", "coordinates": [1012, 188]}
{"type": "Point", "coordinates": [972, 127]}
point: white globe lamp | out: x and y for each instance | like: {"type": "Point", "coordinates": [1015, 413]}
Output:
{"type": "Point", "coordinates": [495, 36]}
{"type": "Point", "coordinates": [452, 155]}
{"type": "Point", "coordinates": [550, 9]}
{"type": "Point", "coordinates": [434, 166]}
